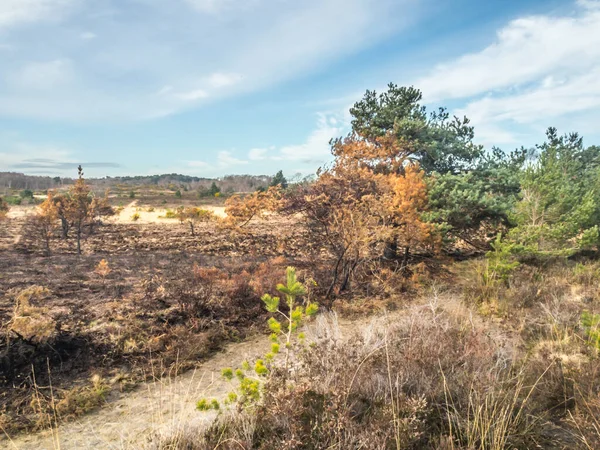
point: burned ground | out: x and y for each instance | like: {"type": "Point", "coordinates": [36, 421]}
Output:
{"type": "Point", "coordinates": [168, 301]}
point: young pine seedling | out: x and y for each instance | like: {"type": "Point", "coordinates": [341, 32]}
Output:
{"type": "Point", "coordinates": [283, 332]}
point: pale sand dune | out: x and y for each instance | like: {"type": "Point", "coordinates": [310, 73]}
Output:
{"type": "Point", "coordinates": [16, 212]}
{"type": "Point", "coordinates": [155, 216]}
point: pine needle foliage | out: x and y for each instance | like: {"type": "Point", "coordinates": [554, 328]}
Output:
{"type": "Point", "coordinates": [591, 325]}
{"type": "Point", "coordinates": [292, 314]}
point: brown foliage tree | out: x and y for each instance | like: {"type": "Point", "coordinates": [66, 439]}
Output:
{"type": "Point", "coordinates": [62, 204]}
{"type": "Point", "coordinates": [40, 227]}
{"type": "Point", "coordinates": [4, 208]}
{"type": "Point", "coordinates": [372, 194]}
{"type": "Point", "coordinates": [79, 209]}
{"type": "Point", "coordinates": [241, 210]}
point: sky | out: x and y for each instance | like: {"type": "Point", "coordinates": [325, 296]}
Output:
{"type": "Point", "coordinates": [217, 87]}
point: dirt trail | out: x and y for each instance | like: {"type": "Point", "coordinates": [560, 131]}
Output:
{"type": "Point", "coordinates": [165, 406]}
{"type": "Point", "coordinates": [157, 407]}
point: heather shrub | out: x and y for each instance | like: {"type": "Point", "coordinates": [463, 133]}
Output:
{"type": "Point", "coordinates": [31, 321]}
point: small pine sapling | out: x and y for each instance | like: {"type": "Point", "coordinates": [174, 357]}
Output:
{"type": "Point", "coordinates": [591, 325]}
{"type": "Point", "coordinates": [282, 333]}
{"type": "Point", "coordinates": [292, 317]}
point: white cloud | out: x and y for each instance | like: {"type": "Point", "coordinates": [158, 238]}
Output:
{"type": "Point", "coordinates": [191, 96]}
{"type": "Point", "coordinates": [257, 154]}
{"type": "Point", "coordinates": [540, 71]}
{"type": "Point", "coordinates": [17, 152]}
{"type": "Point", "coordinates": [316, 149]}
{"type": "Point", "coordinates": [580, 93]}
{"type": "Point", "coordinates": [225, 160]}
{"type": "Point", "coordinates": [526, 50]}
{"type": "Point", "coordinates": [219, 80]}
{"type": "Point", "coordinates": [148, 44]}
{"type": "Point", "coordinates": [215, 6]}
{"type": "Point", "coordinates": [88, 35]}
{"type": "Point", "coordinates": [17, 12]}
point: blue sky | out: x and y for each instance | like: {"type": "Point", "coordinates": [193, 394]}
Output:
{"type": "Point", "coordinates": [216, 87]}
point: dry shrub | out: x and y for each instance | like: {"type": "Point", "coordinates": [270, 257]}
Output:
{"type": "Point", "coordinates": [208, 296]}
{"type": "Point", "coordinates": [80, 400]}
{"type": "Point", "coordinates": [267, 275]}
{"type": "Point", "coordinates": [586, 273]}
{"type": "Point", "coordinates": [241, 210]}
{"type": "Point", "coordinates": [387, 388]}
{"type": "Point", "coordinates": [526, 287]}
{"type": "Point", "coordinates": [586, 411]}
{"type": "Point", "coordinates": [32, 323]}
{"type": "Point", "coordinates": [4, 208]}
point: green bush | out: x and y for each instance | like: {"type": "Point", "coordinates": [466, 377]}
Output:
{"type": "Point", "coordinates": [591, 325]}
{"type": "Point", "coordinates": [13, 200]}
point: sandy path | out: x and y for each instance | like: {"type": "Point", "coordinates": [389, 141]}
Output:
{"type": "Point", "coordinates": [158, 407]}
{"type": "Point", "coordinates": [165, 406]}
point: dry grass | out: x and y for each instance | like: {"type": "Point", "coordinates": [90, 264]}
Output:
{"type": "Point", "coordinates": [438, 374]}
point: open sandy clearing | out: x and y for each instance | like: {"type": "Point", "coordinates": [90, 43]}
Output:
{"type": "Point", "coordinates": [154, 215]}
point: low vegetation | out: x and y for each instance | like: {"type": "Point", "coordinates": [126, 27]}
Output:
{"type": "Point", "coordinates": [480, 268]}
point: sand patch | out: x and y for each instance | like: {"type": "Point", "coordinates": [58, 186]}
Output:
{"type": "Point", "coordinates": [148, 214]}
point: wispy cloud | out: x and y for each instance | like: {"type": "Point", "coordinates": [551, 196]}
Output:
{"type": "Point", "coordinates": [539, 71]}
{"type": "Point", "coordinates": [146, 45]}
{"type": "Point", "coordinates": [45, 159]}
{"type": "Point", "coordinates": [215, 6]}
{"type": "Point", "coordinates": [315, 150]}
{"type": "Point", "coordinates": [52, 166]}
{"type": "Point", "coordinates": [18, 12]}
{"type": "Point", "coordinates": [257, 154]}
{"type": "Point", "coordinates": [225, 160]}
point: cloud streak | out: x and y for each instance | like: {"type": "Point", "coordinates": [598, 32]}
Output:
{"type": "Point", "coordinates": [540, 71]}
{"type": "Point", "coordinates": [203, 50]}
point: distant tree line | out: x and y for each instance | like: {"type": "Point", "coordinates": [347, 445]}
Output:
{"type": "Point", "coordinates": [19, 181]}
{"type": "Point", "coordinates": [11, 181]}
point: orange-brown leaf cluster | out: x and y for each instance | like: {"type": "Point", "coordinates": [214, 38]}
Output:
{"type": "Point", "coordinates": [241, 210]}
{"type": "Point", "coordinates": [4, 208]}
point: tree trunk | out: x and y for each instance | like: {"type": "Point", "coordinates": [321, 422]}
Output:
{"type": "Point", "coordinates": [406, 257]}
{"type": "Point", "coordinates": [47, 243]}
{"type": "Point", "coordinates": [65, 228]}
{"type": "Point", "coordinates": [391, 250]}
{"type": "Point", "coordinates": [79, 238]}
